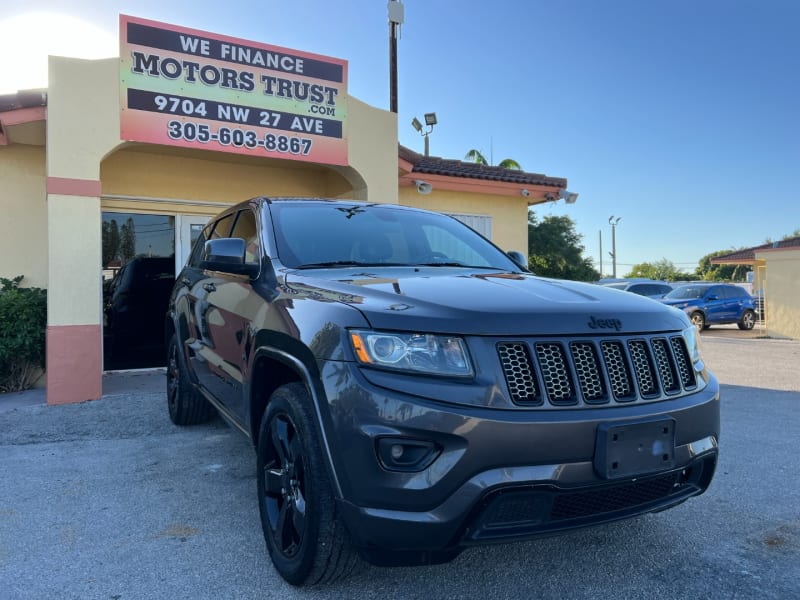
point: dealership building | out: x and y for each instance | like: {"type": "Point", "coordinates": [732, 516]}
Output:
{"type": "Point", "coordinates": [129, 157]}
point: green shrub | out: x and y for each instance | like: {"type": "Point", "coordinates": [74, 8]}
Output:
{"type": "Point", "coordinates": [23, 320]}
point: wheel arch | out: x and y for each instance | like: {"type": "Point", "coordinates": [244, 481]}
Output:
{"type": "Point", "coordinates": [273, 368]}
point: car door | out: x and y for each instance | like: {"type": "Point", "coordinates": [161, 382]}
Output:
{"type": "Point", "coordinates": [734, 302]}
{"type": "Point", "coordinates": [203, 324]}
{"type": "Point", "coordinates": [231, 307]}
{"type": "Point", "coordinates": [717, 304]}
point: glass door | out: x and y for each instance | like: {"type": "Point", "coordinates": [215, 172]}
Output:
{"type": "Point", "coordinates": [138, 257]}
{"type": "Point", "coordinates": [190, 227]}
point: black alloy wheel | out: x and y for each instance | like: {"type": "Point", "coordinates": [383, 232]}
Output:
{"type": "Point", "coordinates": [186, 406]}
{"type": "Point", "coordinates": [305, 536]}
{"type": "Point", "coordinates": [284, 486]}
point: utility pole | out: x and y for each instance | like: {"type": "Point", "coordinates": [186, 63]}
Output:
{"type": "Point", "coordinates": [600, 235]}
{"type": "Point", "coordinates": [396, 17]}
{"type": "Point", "coordinates": [614, 222]}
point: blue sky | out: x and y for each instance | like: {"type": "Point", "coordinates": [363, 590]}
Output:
{"type": "Point", "coordinates": [682, 117]}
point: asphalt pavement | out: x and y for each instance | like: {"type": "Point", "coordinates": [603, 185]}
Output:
{"type": "Point", "coordinates": [109, 500]}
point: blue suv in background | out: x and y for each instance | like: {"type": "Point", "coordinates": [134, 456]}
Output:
{"type": "Point", "coordinates": [709, 304]}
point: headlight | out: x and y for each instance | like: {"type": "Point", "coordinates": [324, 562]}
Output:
{"type": "Point", "coordinates": [692, 337]}
{"type": "Point", "coordinates": [417, 352]}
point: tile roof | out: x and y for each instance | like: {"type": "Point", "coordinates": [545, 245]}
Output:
{"type": "Point", "coordinates": [748, 255]}
{"type": "Point", "coordinates": [23, 99]}
{"type": "Point", "coordinates": [435, 165]}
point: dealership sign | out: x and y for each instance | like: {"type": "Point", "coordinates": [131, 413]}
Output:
{"type": "Point", "coordinates": [182, 87]}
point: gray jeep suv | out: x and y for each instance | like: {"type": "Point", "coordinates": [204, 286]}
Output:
{"type": "Point", "coordinates": [411, 390]}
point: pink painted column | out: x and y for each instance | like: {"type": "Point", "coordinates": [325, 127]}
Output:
{"type": "Point", "coordinates": [74, 332]}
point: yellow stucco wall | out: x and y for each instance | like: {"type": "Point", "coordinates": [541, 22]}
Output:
{"type": "Point", "coordinates": [23, 200]}
{"type": "Point", "coordinates": [782, 292]}
{"type": "Point", "coordinates": [202, 176]}
{"type": "Point", "coordinates": [507, 212]}
{"type": "Point", "coordinates": [372, 151]}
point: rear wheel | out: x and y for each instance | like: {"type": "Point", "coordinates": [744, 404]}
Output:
{"type": "Point", "coordinates": [698, 319]}
{"type": "Point", "coordinates": [748, 320]}
{"type": "Point", "coordinates": [305, 536]}
{"type": "Point", "coordinates": [186, 406]}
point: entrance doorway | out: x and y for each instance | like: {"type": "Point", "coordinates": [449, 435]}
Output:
{"type": "Point", "coordinates": [142, 253]}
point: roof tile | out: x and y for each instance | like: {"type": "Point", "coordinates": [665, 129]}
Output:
{"type": "Point", "coordinates": [435, 165]}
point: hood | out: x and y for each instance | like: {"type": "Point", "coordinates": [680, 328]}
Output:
{"type": "Point", "coordinates": [468, 301]}
{"type": "Point", "coordinates": [680, 301]}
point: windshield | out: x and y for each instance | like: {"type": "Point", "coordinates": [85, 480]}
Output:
{"type": "Point", "coordinates": [326, 234]}
{"type": "Point", "coordinates": [687, 292]}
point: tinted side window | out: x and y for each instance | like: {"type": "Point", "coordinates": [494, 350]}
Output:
{"type": "Point", "coordinates": [222, 228]}
{"type": "Point", "coordinates": [245, 228]}
{"type": "Point", "coordinates": [197, 249]}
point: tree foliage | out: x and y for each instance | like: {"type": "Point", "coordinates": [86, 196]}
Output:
{"type": "Point", "coordinates": [661, 270]}
{"type": "Point", "coordinates": [708, 272]}
{"type": "Point", "coordinates": [477, 156]}
{"type": "Point", "coordinates": [555, 249]}
{"type": "Point", "coordinates": [23, 321]}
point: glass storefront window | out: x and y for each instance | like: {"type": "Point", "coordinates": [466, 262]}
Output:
{"type": "Point", "coordinates": [127, 235]}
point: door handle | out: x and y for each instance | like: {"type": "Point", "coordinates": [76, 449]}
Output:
{"type": "Point", "coordinates": [209, 287]}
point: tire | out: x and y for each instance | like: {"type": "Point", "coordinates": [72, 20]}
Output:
{"type": "Point", "coordinates": [748, 320]}
{"type": "Point", "coordinates": [305, 536]}
{"type": "Point", "coordinates": [186, 406]}
{"type": "Point", "coordinates": [698, 319]}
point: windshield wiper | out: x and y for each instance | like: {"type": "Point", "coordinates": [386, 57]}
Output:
{"type": "Point", "coordinates": [332, 263]}
{"type": "Point", "coordinates": [457, 264]}
{"type": "Point", "coordinates": [349, 263]}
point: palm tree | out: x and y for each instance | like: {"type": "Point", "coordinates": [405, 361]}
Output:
{"type": "Point", "coordinates": [477, 157]}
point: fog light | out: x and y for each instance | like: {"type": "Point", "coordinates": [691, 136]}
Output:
{"type": "Point", "coordinates": [405, 454]}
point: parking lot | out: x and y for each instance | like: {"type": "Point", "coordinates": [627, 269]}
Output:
{"type": "Point", "coordinates": [109, 500]}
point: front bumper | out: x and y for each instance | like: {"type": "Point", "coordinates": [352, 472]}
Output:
{"type": "Point", "coordinates": [500, 475]}
{"type": "Point", "coordinates": [512, 504]}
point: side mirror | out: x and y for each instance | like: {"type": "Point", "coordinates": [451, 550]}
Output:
{"type": "Point", "coordinates": [227, 256]}
{"type": "Point", "coordinates": [712, 297]}
{"type": "Point", "coordinates": [519, 259]}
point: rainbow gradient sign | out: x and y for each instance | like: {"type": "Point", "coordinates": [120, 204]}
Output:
{"type": "Point", "coordinates": [189, 88]}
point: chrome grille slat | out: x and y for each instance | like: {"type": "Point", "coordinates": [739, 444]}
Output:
{"type": "Point", "coordinates": [643, 367]}
{"type": "Point", "coordinates": [619, 372]}
{"type": "Point", "coordinates": [684, 362]}
{"type": "Point", "coordinates": [589, 372]}
{"type": "Point", "coordinates": [605, 371]}
{"type": "Point", "coordinates": [666, 367]}
{"type": "Point", "coordinates": [516, 362]}
{"type": "Point", "coordinates": [555, 373]}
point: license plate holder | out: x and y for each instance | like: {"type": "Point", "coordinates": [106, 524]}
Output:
{"type": "Point", "coordinates": [634, 448]}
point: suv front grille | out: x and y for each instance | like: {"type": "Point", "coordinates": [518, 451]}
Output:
{"type": "Point", "coordinates": [606, 371]}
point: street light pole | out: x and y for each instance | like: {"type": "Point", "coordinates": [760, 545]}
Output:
{"type": "Point", "coordinates": [600, 235]}
{"type": "Point", "coordinates": [614, 222]}
{"type": "Point", "coordinates": [396, 17]}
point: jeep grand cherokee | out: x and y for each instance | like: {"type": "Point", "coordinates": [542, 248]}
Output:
{"type": "Point", "coordinates": [411, 390]}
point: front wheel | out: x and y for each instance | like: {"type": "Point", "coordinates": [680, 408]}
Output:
{"type": "Point", "coordinates": [748, 320]}
{"type": "Point", "coordinates": [305, 536]}
{"type": "Point", "coordinates": [186, 406]}
{"type": "Point", "coordinates": [698, 320]}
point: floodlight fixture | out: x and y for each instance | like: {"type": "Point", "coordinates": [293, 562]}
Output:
{"type": "Point", "coordinates": [567, 196]}
{"type": "Point", "coordinates": [430, 121]}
